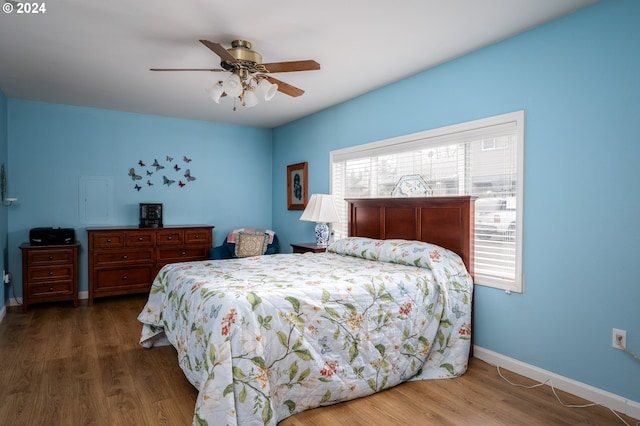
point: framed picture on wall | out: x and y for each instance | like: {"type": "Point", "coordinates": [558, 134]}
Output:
{"type": "Point", "coordinates": [297, 186]}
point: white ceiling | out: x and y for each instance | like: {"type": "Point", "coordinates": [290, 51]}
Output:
{"type": "Point", "coordinates": [97, 53]}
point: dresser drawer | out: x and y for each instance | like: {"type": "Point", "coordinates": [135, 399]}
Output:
{"type": "Point", "coordinates": [131, 277]}
{"type": "Point", "coordinates": [48, 257]}
{"type": "Point", "coordinates": [170, 237]}
{"type": "Point", "coordinates": [106, 257]}
{"type": "Point", "coordinates": [182, 254]}
{"type": "Point", "coordinates": [140, 239]}
{"type": "Point", "coordinates": [50, 289]}
{"type": "Point", "coordinates": [108, 240]}
{"type": "Point", "coordinates": [39, 274]}
{"type": "Point", "coordinates": [197, 236]}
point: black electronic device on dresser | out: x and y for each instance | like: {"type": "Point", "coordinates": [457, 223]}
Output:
{"type": "Point", "coordinates": [150, 215]}
{"type": "Point", "coordinates": [51, 236]}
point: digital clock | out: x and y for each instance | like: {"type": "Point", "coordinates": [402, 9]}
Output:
{"type": "Point", "coordinates": [150, 215]}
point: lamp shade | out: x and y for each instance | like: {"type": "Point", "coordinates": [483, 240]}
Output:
{"type": "Point", "coordinates": [250, 99]}
{"type": "Point", "coordinates": [321, 209]}
{"type": "Point", "coordinates": [267, 89]}
{"type": "Point", "coordinates": [215, 92]}
{"type": "Point", "coordinates": [232, 85]}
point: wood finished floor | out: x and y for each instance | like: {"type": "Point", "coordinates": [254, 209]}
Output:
{"type": "Point", "coordinates": [61, 365]}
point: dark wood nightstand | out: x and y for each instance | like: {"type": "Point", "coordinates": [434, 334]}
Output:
{"type": "Point", "coordinates": [308, 248]}
{"type": "Point", "coordinates": [49, 273]}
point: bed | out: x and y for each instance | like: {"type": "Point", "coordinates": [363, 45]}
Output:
{"type": "Point", "coordinates": [265, 337]}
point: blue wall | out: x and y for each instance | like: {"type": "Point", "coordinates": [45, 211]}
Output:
{"type": "Point", "coordinates": [577, 80]}
{"type": "Point", "coordinates": [52, 146]}
{"type": "Point", "coordinates": [3, 211]}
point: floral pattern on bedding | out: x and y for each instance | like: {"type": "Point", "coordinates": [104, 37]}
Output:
{"type": "Point", "coordinates": [263, 338]}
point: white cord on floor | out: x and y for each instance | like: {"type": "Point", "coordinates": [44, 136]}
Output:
{"type": "Point", "coordinates": [553, 389]}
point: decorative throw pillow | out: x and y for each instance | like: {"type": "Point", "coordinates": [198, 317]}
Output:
{"type": "Point", "coordinates": [251, 244]}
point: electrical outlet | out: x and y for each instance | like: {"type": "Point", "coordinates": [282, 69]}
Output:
{"type": "Point", "coordinates": [6, 278]}
{"type": "Point", "coordinates": [619, 339]}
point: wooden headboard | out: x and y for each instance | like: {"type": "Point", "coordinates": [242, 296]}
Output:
{"type": "Point", "coordinates": [445, 221]}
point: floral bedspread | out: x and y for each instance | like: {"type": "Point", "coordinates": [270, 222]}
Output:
{"type": "Point", "coordinates": [265, 337]}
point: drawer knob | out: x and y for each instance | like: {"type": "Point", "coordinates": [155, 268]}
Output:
{"type": "Point", "coordinates": [50, 257]}
{"type": "Point", "coordinates": [183, 253]}
{"type": "Point", "coordinates": [139, 238]}
{"type": "Point", "coordinates": [125, 257]}
{"type": "Point", "coordinates": [108, 240]}
{"type": "Point", "coordinates": [50, 273]}
{"type": "Point", "coordinates": [124, 277]}
{"type": "Point", "coordinates": [197, 236]}
{"type": "Point", "coordinates": [169, 237]}
{"type": "Point", "coordinates": [50, 288]}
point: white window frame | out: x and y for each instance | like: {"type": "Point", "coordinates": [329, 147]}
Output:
{"type": "Point", "coordinates": [485, 127]}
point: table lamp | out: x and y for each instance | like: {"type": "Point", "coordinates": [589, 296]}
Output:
{"type": "Point", "coordinates": [321, 209]}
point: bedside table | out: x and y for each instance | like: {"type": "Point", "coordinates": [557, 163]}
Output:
{"type": "Point", "coordinates": [308, 248]}
{"type": "Point", "coordinates": [49, 273]}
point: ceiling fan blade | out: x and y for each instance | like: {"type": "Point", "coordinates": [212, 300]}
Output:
{"type": "Point", "coordinates": [285, 88]}
{"type": "Point", "coordinates": [219, 50]}
{"type": "Point", "coordinates": [308, 65]}
{"type": "Point", "coordinates": [188, 69]}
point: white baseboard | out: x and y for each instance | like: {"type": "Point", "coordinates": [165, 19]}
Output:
{"type": "Point", "coordinates": [583, 390]}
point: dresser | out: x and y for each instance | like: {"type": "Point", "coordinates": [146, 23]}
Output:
{"type": "Point", "coordinates": [126, 260]}
{"type": "Point", "coordinates": [49, 274]}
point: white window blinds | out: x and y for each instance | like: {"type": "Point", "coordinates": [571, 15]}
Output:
{"type": "Point", "coordinates": [483, 158]}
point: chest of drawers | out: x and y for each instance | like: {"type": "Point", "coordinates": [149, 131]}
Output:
{"type": "Point", "coordinates": [49, 274]}
{"type": "Point", "coordinates": [126, 260]}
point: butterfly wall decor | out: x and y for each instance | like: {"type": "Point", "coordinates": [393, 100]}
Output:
{"type": "Point", "coordinates": [167, 181]}
{"type": "Point", "coordinates": [133, 174]}
{"type": "Point", "coordinates": [157, 165]}
{"type": "Point", "coordinates": [169, 167]}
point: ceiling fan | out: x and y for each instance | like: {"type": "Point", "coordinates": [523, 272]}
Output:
{"type": "Point", "coordinates": [249, 76]}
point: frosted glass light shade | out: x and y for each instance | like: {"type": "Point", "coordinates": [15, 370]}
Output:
{"type": "Point", "coordinates": [250, 99]}
{"type": "Point", "coordinates": [215, 92]}
{"type": "Point", "coordinates": [267, 89]}
{"type": "Point", "coordinates": [232, 85]}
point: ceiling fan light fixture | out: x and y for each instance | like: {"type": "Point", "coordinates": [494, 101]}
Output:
{"type": "Point", "coordinates": [250, 78]}
{"type": "Point", "coordinates": [267, 89]}
{"type": "Point", "coordinates": [233, 85]}
{"type": "Point", "coordinates": [215, 92]}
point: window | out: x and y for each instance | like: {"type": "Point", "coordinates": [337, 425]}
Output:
{"type": "Point", "coordinates": [488, 144]}
{"type": "Point", "coordinates": [483, 158]}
